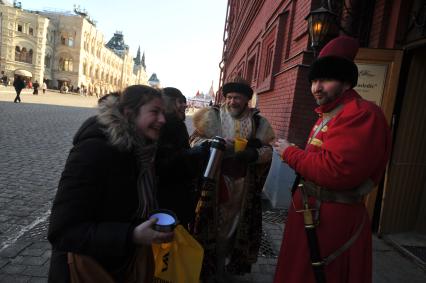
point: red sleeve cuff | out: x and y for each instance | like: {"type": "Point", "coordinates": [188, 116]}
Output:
{"type": "Point", "coordinates": [286, 152]}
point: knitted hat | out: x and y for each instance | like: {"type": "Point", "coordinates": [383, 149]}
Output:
{"type": "Point", "coordinates": [336, 61]}
{"type": "Point", "coordinates": [239, 85]}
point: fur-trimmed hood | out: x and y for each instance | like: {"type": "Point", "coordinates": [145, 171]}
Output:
{"type": "Point", "coordinates": [117, 127]}
{"type": "Point", "coordinates": [109, 124]}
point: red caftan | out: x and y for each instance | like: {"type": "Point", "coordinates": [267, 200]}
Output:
{"type": "Point", "coordinates": [351, 148]}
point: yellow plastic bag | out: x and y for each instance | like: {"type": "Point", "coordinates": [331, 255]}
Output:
{"type": "Point", "coordinates": [179, 261]}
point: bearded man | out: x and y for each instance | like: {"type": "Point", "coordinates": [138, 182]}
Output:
{"type": "Point", "coordinates": [327, 237]}
{"type": "Point", "coordinates": [240, 181]}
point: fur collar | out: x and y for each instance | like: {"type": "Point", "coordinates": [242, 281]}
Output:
{"type": "Point", "coordinates": [119, 131]}
{"type": "Point", "coordinates": [207, 123]}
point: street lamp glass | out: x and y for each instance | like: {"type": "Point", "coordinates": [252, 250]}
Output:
{"type": "Point", "coordinates": [319, 22]}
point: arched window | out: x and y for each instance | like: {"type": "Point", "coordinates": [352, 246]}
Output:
{"type": "Point", "coordinates": [65, 64]}
{"type": "Point", "coordinates": [23, 57]}
{"type": "Point", "coordinates": [70, 41]}
{"type": "Point", "coordinates": [47, 61]}
{"type": "Point", "coordinates": [67, 40]}
{"type": "Point", "coordinates": [93, 48]}
{"type": "Point", "coordinates": [29, 58]}
{"type": "Point", "coordinates": [17, 53]}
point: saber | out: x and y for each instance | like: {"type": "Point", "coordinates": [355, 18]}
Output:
{"type": "Point", "coordinates": [316, 261]}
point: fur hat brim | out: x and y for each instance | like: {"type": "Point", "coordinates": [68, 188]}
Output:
{"type": "Point", "coordinates": [333, 67]}
{"type": "Point", "coordinates": [239, 88]}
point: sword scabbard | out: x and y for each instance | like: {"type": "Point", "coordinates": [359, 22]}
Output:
{"type": "Point", "coordinates": [316, 261]}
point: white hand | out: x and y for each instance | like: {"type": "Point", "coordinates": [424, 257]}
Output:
{"type": "Point", "coordinates": [280, 146]}
{"type": "Point", "coordinates": [144, 234]}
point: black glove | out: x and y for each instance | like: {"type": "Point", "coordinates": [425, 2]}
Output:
{"type": "Point", "coordinates": [255, 143]}
{"type": "Point", "coordinates": [206, 144]}
{"type": "Point", "coordinates": [248, 155]}
{"type": "Point", "coordinates": [199, 151]}
{"type": "Point", "coordinates": [196, 158]}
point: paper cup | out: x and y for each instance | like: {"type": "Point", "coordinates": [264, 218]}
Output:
{"type": "Point", "coordinates": [167, 220]}
{"type": "Point", "coordinates": [240, 144]}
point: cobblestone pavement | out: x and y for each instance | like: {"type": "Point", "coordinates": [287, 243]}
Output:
{"type": "Point", "coordinates": [34, 142]}
{"type": "Point", "coordinates": [35, 137]}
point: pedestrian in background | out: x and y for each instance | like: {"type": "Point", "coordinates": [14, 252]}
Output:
{"type": "Point", "coordinates": [36, 85]}
{"type": "Point", "coordinates": [44, 87]}
{"type": "Point", "coordinates": [178, 166]}
{"type": "Point", "coordinates": [18, 84]}
{"type": "Point", "coordinates": [4, 78]}
{"type": "Point", "coordinates": [106, 192]}
{"type": "Point", "coordinates": [344, 159]}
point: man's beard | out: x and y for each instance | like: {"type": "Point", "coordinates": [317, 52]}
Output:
{"type": "Point", "coordinates": [328, 97]}
{"type": "Point", "coordinates": [236, 112]}
{"type": "Point", "coordinates": [324, 100]}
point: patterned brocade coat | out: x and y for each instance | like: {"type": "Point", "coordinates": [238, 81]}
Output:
{"type": "Point", "coordinates": [238, 202]}
{"type": "Point", "coordinates": [351, 148]}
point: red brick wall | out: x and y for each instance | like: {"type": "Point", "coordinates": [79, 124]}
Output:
{"type": "Point", "coordinates": [303, 113]}
{"type": "Point", "coordinates": [285, 98]}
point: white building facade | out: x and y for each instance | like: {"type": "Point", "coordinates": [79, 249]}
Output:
{"type": "Point", "coordinates": [64, 48]}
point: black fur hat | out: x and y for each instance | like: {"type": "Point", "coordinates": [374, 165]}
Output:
{"type": "Point", "coordinates": [336, 61]}
{"type": "Point", "coordinates": [237, 87]}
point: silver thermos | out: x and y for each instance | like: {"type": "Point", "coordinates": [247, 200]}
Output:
{"type": "Point", "coordinates": [217, 149]}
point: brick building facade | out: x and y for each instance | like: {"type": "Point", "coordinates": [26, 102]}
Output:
{"type": "Point", "coordinates": [267, 43]}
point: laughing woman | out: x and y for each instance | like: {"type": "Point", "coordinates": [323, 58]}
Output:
{"type": "Point", "coordinates": [98, 227]}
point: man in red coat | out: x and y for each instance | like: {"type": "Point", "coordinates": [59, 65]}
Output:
{"type": "Point", "coordinates": [344, 158]}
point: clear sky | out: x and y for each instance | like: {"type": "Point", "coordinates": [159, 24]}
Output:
{"type": "Point", "coordinates": [182, 39]}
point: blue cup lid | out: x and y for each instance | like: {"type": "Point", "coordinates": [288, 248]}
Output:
{"type": "Point", "coordinates": [165, 217]}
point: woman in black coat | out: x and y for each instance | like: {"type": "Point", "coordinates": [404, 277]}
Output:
{"type": "Point", "coordinates": [107, 188]}
{"type": "Point", "coordinates": [178, 166]}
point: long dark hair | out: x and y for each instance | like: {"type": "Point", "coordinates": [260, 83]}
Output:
{"type": "Point", "coordinates": [133, 97]}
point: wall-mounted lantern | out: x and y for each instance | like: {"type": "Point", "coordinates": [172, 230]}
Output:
{"type": "Point", "coordinates": [320, 21]}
